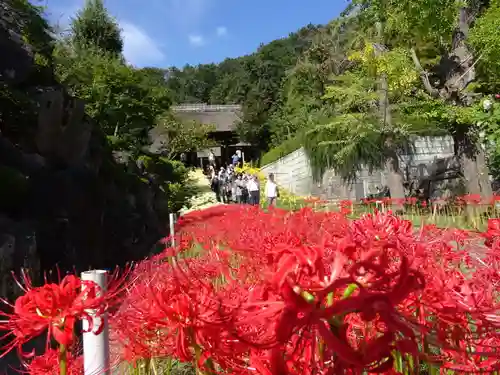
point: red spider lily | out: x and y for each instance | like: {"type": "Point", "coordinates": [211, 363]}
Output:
{"type": "Point", "coordinates": [48, 364]}
{"type": "Point", "coordinates": [52, 307]}
{"type": "Point", "coordinates": [493, 231]}
{"type": "Point", "coordinates": [311, 199]}
{"type": "Point", "coordinates": [55, 308]}
{"type": "Point", "coordinates": [473, 199]}
{"type": "Point", "coordinates": [276, 292]}
{"type": "Point", "coordinates": [346, 207]}
{"type": "Point", "coordinates": [411, 201]}
{"type": "Point", "coordinates": [285, 261]}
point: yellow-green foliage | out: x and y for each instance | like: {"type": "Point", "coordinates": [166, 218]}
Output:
{"type": "Point", "coordinates": [251, 170]}
{"type": "Point", "coordinates": [485, 39]}
{"type": "Point", "coordinates": [396, 64]}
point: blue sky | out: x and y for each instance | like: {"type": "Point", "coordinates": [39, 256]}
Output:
{"type": "Point", "coordinates": [166, 33]}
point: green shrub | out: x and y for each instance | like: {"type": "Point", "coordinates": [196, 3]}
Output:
{"type": "Point", "coordinates": [170, 177]}
{"type": "Point", "coordinates": [174, 180]}
{"type": "Point", "coordinates": [287, 147]}
{"type": "Point", "coordinates": [117, 143]}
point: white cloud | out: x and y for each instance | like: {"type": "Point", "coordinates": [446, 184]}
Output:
{"type": "Point", "coordinates": [139, 48]}
{"type": "Point", "coordinates": [196, 40]}
{"type": "Point", "coordinates": [221, 31]}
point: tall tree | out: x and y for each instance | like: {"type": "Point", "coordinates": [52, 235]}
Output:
{"type": "Point", "coordinates": [366, 131]}
{"type": "Point", "coordinates": [126, 102]}
{"type": "Point", "coordinates": [93, 26]}
{"type": "Point", "coordinates": [392, 164]}
{"type": "Point", "coordinates": [449, 79]}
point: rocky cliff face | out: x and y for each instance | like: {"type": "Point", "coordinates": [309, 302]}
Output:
{"type": "Point", "coordinates": [65, 199]}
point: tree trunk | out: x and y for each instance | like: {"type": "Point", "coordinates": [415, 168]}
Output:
{"type": "Point", "coordinates": [474, 169]}
{"type": "Point", "coordinates": [458, 67]}
{"type": "Point", "coordinates": [393, 170]}
{"type": "Point", "coordinates": [395, 181]}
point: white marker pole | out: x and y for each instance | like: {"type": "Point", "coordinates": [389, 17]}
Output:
{"type": "Point", "coordinates": [171, 219]}
{"type": "Point", "coordinates": [96, 347]}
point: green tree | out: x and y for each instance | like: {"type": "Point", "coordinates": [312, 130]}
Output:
{"type": "Point", "coordinates": [182, 136]}
{"type": "Point", "coordinates": [367, 85]}
{"type": "Point", "coordinates": [27, 20]}
{"type": "Point", "coordinates": [93, 26]}
{"type": "Point", "coordinates": [124, 101]}
{"type": "Point", "coordinates": [485, 40]}
{"type": "Point", "coordinates": [365, 133]}
{"type": "Point", "coordinates": [450, 77]}
{"type": "Point", "coordinates": [302, 105]}
{"type": "Point", "coordinates": [19, 107]}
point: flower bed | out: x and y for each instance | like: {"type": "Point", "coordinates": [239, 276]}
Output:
{"type": "Point", "coordinates": [278, 292]}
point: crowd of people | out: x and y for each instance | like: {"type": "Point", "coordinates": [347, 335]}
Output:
{"type": "Point", "coordinates": [241, 188]}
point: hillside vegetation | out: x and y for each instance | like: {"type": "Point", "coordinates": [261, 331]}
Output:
{"type": "Point", "coordinates": [355, 92]}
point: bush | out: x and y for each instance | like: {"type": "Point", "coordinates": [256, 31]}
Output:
{"type": "Point", "coordinates": [173, 178]}
{"type": "Point", "coordinates": [276, 153]}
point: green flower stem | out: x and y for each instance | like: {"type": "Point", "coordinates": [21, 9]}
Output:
{"type": "Point", "coordinates": [349, 291]}
{"type": "Point", "coordinates": [63, 360]}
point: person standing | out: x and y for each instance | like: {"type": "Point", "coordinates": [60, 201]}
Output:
{"type": "Point", "coordinates": [239, 189]}
{"type": "Point", "coordinates": [215, 186]}
{"type": "Point", "coordinates": [253, 190]}
{"type": "Point", "coordinates": [272, 192]}
{"type": "Point", "coordinates": [211, 158]}
{"type": "Point", "coordinates": [240, 158]}
{"type": "Point", "coordinates": [235, 159]}
{"type": "Point", "coordinates": [222, 184]}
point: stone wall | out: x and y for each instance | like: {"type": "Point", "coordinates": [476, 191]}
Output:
{"type": "Point", "coordinates": [66, 198]}
{"type": "Point", "coordinates": [293, 172]}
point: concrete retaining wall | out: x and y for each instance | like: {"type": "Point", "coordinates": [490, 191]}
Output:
{"type": "Point", "coordinates": [293, 172]}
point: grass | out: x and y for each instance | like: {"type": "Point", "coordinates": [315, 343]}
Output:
{"type": "Point", "coordinates": [163, 366]}
{"type": "Point", "coordinates": [447, 217]}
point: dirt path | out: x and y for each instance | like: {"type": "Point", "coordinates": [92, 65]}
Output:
{"type": "Point", "coordinates": [205, 197]}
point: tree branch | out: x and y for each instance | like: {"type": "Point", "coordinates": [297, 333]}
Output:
{"type": "Point", "coordinates": [424, 75]}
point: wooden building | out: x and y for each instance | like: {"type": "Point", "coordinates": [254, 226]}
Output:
{"type": "Point", "coordinates": [225, 118]}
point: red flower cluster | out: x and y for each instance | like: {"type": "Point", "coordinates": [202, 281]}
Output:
{"type": "Point", "coordinates": [52, 307]}
{"type": "Point", "coordinates": [469, 199]}
{"type": "Point", "coordinates": [48, 364]}
{"type": "Point", "coordinates": [253, 292]}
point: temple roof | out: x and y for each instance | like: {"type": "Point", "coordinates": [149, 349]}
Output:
{"type": "Point", "coordinates": [224, 117]}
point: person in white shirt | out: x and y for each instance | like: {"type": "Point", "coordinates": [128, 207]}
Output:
{"type": "Point", "coordinates": [272, 192]}
{"type": "Point", "coordinates": [211, 158]}
{"type": "Point", "coordinates": [253, 190]}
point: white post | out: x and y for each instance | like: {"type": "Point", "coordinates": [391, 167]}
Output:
{"type": "Point", "coordinates": [96, 347]}
{"type": "Point", "coordinates": [171, 219]}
